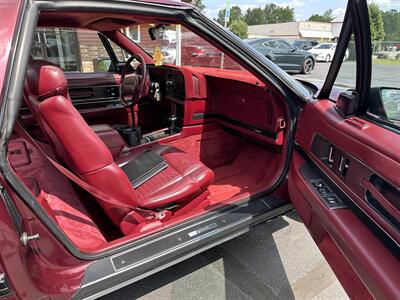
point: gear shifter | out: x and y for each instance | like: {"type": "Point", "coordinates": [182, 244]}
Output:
{"type": "Point", "coordinates": [172, 120]}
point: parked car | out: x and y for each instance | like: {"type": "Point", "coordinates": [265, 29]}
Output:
{"type": "Point", "coordinates": [109, 177]}
{"type": "Point", "coordinates": [326, 51]}
{"type": "Point", "coordinates": [304, 44]}
{"type": "Point", "coordinates": [284, 55]}
{"type": "Point", "coordinates": [389, 52]}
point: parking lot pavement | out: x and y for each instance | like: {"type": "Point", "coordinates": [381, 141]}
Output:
{"type": "Point", "coordinates": [382, 75]}
{"type": "Point", "coordinates": [275, 260]}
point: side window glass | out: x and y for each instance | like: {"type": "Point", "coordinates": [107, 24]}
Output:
{"type": "Point", "coordinates": [58, 46]}
{"type": "Point", "coordinates": [133, 32]}
{"type": "Point", "coordinates": [72, 50]}
{"type": "Point", "coordinates": [346, 78]}
{"type": "Point", "coordinates": [384, 102]}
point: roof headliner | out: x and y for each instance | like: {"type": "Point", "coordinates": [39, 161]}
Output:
{"type": "Point", "coordinates": [102, 21]}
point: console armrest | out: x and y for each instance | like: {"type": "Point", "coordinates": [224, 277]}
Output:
{"type": "Point", "coordinates": [110, 137]}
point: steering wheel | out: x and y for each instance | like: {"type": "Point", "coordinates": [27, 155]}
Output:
{"type": "Point", "coordinates": [135, 81]}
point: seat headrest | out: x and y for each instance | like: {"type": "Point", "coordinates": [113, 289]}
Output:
{"type": "Point", "coordinates": [44, 80]}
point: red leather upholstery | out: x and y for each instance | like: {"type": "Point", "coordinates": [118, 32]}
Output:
{"type": "Point", "coordinates": [44, 80]}
{"type": "Point", "coordinates": [110, 137]}
{"type": "Point", "coordinates": [184, 178]}
{"type": "Point", "coordinates": [85, 153]}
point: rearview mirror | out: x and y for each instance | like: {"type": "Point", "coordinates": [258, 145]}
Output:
{"type": "Point", "coordinates": [155, 31]}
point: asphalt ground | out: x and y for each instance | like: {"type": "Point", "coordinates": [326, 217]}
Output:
{"type": "Point", "coordinates": [385, 75]}
{"type": "Point", "coordinates": [275, 260]}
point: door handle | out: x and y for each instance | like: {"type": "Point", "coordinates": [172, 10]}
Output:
{"type": "Point", "coordinates": [385, 203]}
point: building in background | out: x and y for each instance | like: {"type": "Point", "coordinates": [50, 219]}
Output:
{"type": "Point", "coordinates": [337, 24]}
{"type": "Point", "coordinates": [303, 30]}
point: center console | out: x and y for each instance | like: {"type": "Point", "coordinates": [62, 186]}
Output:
{"type": "Point", "coordinates": [166, 92]}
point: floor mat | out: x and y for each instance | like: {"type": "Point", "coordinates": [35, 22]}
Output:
{"type": "Point", "coordinates": [250, 172]}
{"type": "Point", "coordinates": [241, 167]}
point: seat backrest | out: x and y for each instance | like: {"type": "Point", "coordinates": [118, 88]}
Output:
{"type": "Point", "coordinates": [74, 141]}
{"type": "Point", "coordinates": [43, 80]}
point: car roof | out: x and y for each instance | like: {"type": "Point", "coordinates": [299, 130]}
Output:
{"type": "Point", "coordinates": [167, 2]}
{"type": "Point", "coordinates": [105, 21]}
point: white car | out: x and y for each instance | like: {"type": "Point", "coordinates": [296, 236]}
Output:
{"type": "Point", "coordinates": [325, 52]}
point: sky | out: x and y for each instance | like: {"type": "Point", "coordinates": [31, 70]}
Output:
{"type": "Point", "coordinates": [303, 8]}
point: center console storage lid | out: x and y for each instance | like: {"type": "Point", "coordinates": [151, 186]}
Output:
{"type": "Point", "coordinates": [143, 167]}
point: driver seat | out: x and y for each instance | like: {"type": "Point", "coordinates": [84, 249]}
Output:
{"type": "Point", "coordinates": [182, 184]}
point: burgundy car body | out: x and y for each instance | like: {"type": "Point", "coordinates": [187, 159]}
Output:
{"type": "Point", "coordinates": [360, 244]}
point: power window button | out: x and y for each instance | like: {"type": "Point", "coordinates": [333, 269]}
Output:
{"type": "Point", "coordinates": [331, 200]}
{"type": "Point", "coordinates": [323, 191]}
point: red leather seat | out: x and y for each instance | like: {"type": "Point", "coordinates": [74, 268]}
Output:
{"type": "Point", "coordinates": [184, 177]}
{"type": "Point", "coordinates": [83, 152]}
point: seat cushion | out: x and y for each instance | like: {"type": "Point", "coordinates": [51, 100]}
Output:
{"type": "Point", "coordinates": [183, 179]}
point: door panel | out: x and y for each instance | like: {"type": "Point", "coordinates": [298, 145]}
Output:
{"type": "Point", "coordinates": [96, 96]}
{"type": "Point", "coordinates": [344, 177]}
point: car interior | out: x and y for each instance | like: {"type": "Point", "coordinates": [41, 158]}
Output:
{"type": "Point", "coordinates": [115, 156]}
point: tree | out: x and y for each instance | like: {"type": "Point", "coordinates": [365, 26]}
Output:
{"type": "Point", "coordinates": [255, 16]}
{"type": "Point", "coordinates": [198, 3]}
{"type": "Point", "coordinates": [235, 14]}
{"type": "Point", "coordinates": [326, 17]}
{"type": "Point", "coordinates": [391, 20]}
{"type": "Point", "coordinates": [239, 27]}
{"type": "Point", "coordinates": [278, 14]}
{"type": "Point", "coordinates": [376, 22]}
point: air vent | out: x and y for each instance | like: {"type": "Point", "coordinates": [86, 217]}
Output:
{"type": "Point", "coordinates": [356, 122]}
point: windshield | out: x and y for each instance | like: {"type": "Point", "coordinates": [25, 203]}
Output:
{"type": "Point", "coordinates": [178, 46]}
{"type": "Point", "coordinates": [324, 46]}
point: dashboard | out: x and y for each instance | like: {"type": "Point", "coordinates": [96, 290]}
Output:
{"type": "Point", "coordinates": [166, 83]}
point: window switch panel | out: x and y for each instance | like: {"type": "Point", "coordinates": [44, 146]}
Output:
{"type": "Point", "coordinates": [329, 198]}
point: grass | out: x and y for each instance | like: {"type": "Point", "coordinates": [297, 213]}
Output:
{"type": "Point", "coordinates": [386, 61]}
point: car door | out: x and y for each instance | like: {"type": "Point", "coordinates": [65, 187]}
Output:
{"type": "Point", "coordinates": [344, 178]}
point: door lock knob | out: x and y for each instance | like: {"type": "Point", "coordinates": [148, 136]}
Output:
{"type": "Point", "coordinates": [25, 238]}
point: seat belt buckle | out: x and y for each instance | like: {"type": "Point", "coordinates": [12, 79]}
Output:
{"type": "Point", "coordinates": [155, 215]}
{"type": "Point", "coordinates": [162, 215]}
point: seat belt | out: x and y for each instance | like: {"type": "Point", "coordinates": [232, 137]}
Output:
{"type": "Point", "coordinates": [143, 214]}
